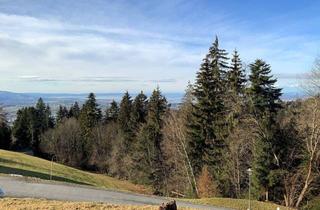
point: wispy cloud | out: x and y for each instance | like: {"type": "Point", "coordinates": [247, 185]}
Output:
{"type": "Point", "coordinates": [294, 76]}
{"type": "Point", "coordinates": [58, 52]}
{"type": "Point", "coordinates": [103, 79]}
{"type": "Point", "coordinates": [107, 49]}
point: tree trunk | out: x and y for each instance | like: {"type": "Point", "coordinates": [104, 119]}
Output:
{"type": "Point", "coordinates": [267, 195]}
{"type": "Point", "coordinates": [306, 185]}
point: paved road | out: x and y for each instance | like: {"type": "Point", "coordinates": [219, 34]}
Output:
{"type": "Point", "coordinates": [19, 187]}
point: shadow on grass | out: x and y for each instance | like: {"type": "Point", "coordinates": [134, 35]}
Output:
{"type": "Point", "coordinates": [8, 161]}
{"type": "Point", "coordinates": [9, 170]}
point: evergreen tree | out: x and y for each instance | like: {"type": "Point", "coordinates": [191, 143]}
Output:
{"type": "Point", "coordinates": [265, 98]}
{"type": "Point", "coordinates": [112, 112]}
{"type": "Point", "coordinates": [207, 124]}
{"type": "Point", "coordinates": [90, 112]}
{"type": "Point", "coordinates": [264, 95]}
{"type": "Point", "coordinates": [139, 111]}
{"type": "Point", "coordinates": [5, 136]}
{"type": "Point", "coordinates": [218, 59]}
{"type": "Point", "coordinates": [41, 116]}
{"type": "Point", "coordinates": [24, 129]}
{"type": "Point", "coordinates": [125, 112]}
{"type": "Point", "coordinates": [5, 131]}
{"type": "Point", "coordinates": [74, 111]}
{"type": "Point", "coordinates": [49, 117]}
{"type": "Point", "coordinates": [235, 100]}
{"type": "Point", "coordinates": [62, 114]}
{"type": "Point", "coordinates": [90, 116]}
{"type": "Point", "coordinates": [41, 120]}
{"type": "Point", "coordinates": [236, 75]}
{"type": "Point", "coordinates": [30, 123]}
{"type": "Point", "coordinates": [150, 160]}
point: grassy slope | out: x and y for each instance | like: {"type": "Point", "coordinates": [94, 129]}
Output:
{"type": "Point", "coordinates": [32, 204]}
{"type": "Point", "coordinates": [18, 163]}
{"type": "Point", "coordinates": [240, 204]}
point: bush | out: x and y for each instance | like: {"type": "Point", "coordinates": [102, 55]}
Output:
{"type": "Point", "coordinates": [206, 186]}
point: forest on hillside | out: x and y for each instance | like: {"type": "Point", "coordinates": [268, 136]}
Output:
{"type": "Point", "coordinates": [227, 123]}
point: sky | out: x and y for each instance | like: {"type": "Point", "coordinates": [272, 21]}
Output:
{"type": "Point", "coordinates": [79, 46]}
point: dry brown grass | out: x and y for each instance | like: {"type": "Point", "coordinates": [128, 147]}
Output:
{"type": "Point", "coordinates": [37, 204]}
{"type": "Point", "coordinates": [238, 204]}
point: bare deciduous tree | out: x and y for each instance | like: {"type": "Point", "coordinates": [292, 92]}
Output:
{"type": "Point", "coordinates": [175, 147]}
{"type": "Point", "coordinates": [309, 126]}
{"type": "Point", "coordinates": [64, 142]}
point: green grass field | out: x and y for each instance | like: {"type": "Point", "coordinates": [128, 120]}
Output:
{"type": "Point", "coordinates": [26, 165]}
{"type": "Point", "coordinates": [240, 204]}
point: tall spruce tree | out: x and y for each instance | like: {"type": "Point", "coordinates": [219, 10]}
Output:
{"type": "Point", "coordinates": [124, 121]}
{"type": "Point", "coordinates": [90, 112]}
{"type": "Point", "coordinates": [5, 131]}
{"type": "Point", "coordinates": [112, 112]}
{"type": "Point", "coordinates": [23, 129]}
{"type": "Point", "coordinates": [149, 157]}
{"type": "Point", "coordinates": [266, 102]}
{"type": "Point", "coordinates": [49, 118]}
{"type": "Point", "coordinates": [218, 59]}
{"type": "Point", "coordinates": [62, 114]}
{"type": "Point", "coordinates": [139, 111]}
{"type": "Point", "coordinates": [235, 99]}
{"type": "Point", "coordinates": [207, 145]}
{"type": "Point", "coordinates": [125, 112]}
{"type": "Point", "coordinates": [264, 94]}
{"type": "Point", "coordinates": [90, 116]}
{"type": "Point", "coordinates": [40, 121]}
{"type": "Point", "coordinates": [74, 111]}
{"type": "Point", "coordinates": [41, 114]}
{"type": "Point", "coordinates": [236, 75]}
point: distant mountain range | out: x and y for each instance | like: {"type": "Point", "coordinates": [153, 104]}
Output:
{"type": "Point", "coordinates": [13, 101]}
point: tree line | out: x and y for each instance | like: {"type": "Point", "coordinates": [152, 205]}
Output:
{"type": "Point", "coordinates": [227, 122]}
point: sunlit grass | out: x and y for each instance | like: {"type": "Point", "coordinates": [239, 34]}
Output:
{"type": "Point", "coordinates": [239, 204]}
{"type": "Point", "coordinates": [32, 204]}
{"type": "Point", "coordinates": [26, 165]}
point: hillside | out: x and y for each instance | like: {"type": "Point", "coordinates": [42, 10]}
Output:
{"type": "Point", "coordinates": [18, 163]}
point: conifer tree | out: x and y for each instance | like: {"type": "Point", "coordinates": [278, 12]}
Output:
{"type": "Point", "coordinates": [90, 116]}
{"type": "Point", "coordinates": [5, 131]}
{"type": "Point", "coordinates": [74, 111]}
{"type": "Point", "coordinates": [112, 112]}
{"type": "Point", "coordinates": [24, 128]}
{"type": "Point", "coordinates": [125, 112]}
{"type": "Point", "coordinates": [62, 114]}
{"type": "Point", "coordinates": [206, 127]}
{"type": "Point", "coordinates": [218, 59]}
{"type": "Point", "coordinates": [90, 112]}
{"type": "Point", "coordinates": [139, 111]}
{"type": "Point", "coordinates": [235, 99]}
{"type": "Point", "coordinates": [40, 121]}
{"type": "Point", "coordinates": [49, 118]}
{"type": "Point", "coordinates": [264, 94]}
{"type": "Point", "coordinates": [150, 160]}
{"type": "Point", "coordinates": [236, 75]}
{"type": "Point", "coordinates": [266, 102]}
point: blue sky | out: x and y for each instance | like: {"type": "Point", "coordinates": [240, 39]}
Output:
{"type": "Point", "coordinates": [112, 46]}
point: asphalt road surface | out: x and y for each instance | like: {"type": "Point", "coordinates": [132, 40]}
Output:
{"type": "Point", "coordinates": [20, 187]}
